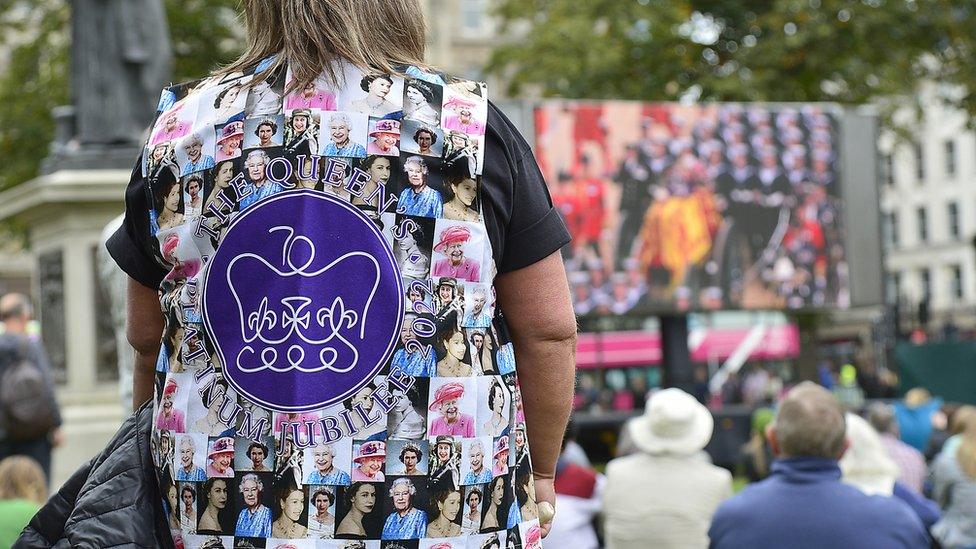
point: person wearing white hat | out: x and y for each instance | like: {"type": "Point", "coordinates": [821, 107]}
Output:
{"type": "Point", "coordinates": [665, 494]}
{"type": "Point", "coordinates": [867, 466]}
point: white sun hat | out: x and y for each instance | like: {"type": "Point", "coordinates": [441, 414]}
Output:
{"type": "Point", "coordinates": [673, 423]}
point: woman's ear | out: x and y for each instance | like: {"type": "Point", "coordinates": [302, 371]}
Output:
{"type": "Point", "coordinates": [771, 438]}
{"type": "Point", "coordinates": [843, 450]}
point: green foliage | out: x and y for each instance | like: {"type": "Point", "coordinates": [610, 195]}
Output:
{"type": "Point", "coordinates": [738, 50]}
{"type": "Point", "coordinates": [34, 82]}
{"type": "Point", "coordinates": [204, 34]}
{"type": "Point", "coordinates": [35, 79]}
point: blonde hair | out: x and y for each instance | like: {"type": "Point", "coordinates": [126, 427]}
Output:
{"type": "Point", "coordinates": [965, 422]}
{"type": "Point", "coordinates": [375, 35]}
{"type": "Point", "coordinates": [963, 417]}
{"type": "Point", "coordinates": [917, 397]}
{"type": "Point", "coordinates": [22, 478]}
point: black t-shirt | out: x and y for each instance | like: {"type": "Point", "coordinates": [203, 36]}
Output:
{"type": "Point", "coordinates": [522, 224]}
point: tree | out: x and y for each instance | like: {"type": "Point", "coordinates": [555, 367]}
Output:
{"type": "Point", "coordinates": [738, 50]}
{"type": "Point", "coordinates": [33, 83]}
{"type": "Point", "coordinates": [204, 33]}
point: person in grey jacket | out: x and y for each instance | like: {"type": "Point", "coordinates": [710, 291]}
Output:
{"type": "Point", "coordinates": [954, 477]}
{"type": "Point", "coordinates": [665, 493]}
{"type": "Point", "coordinates": [15, 345]}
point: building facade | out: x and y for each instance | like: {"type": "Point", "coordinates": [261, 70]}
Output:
{"type": "Point", "coordinates": [460, 36]}
{"type": "Point", "coordinates": [928, 209]}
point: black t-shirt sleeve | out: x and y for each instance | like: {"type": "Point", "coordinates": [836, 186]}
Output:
{"type": "Point", "coordinates": [523, 226]}
{"type": "Point", "coordinates": [131, 246]}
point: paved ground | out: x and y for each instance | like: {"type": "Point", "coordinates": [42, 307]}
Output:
{"type": "Point", "coordinates": [90, 421]}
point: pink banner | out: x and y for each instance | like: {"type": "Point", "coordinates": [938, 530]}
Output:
{"type": "Point", "coordinates": [623, 349]}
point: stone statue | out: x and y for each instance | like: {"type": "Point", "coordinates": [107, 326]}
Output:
{"type": "Point", "coordinates": [120, 60]}
{"type": "Point", "coordinates": [114, 281]}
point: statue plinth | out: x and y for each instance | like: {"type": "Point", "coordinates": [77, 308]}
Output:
{"type": "Point", "coordinates": [68, 153]}
{"type": "Point", "coordinates": [64, 213]}
{"type": "Point", "coordinates": [93, 157]}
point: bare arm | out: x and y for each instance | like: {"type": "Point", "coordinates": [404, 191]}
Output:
{"type": "Point", "coordinates": [539, 312]}
{"type": "Point", "coordinates": [144, 330]}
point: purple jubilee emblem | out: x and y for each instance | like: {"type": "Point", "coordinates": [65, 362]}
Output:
{"type": "Point", "coordinates": [303, 301]}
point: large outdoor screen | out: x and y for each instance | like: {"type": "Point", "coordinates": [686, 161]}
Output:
{"type": "Point", "coordinates": [678, 207]}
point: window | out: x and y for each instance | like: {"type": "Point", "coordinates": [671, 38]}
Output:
{"type": "Point", "coordinates": [919, 163]}
{"type": "Point", "coordinates": [953, 220]}
{"type": "Point", "coordinates": [894, 287]}
{"type": "Point", "coordinates": [925, 278]}
{"type": "Point", "coordinates": [956, 282]}
{"type": "Point", "coordinates": [891, 229]}
{"type": "Point", "coordinates": [922, 218]}
{"type": "Point", "coordinates": [888, 169]}
{"type": "Point", "coordinates": [473, 14]}
{"type": "Point", "coordinates": [950, 158]}
{"type": "Point", "coordinates": [895, 229]}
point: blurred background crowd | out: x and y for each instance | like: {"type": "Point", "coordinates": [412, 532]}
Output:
{"type": "Point", "coordinates": [760, 195]}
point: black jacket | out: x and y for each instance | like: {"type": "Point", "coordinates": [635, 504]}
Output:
{"type": "Point", "coordinates": [112, 501]}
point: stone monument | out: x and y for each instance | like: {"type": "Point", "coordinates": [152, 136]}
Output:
{"type": "Point", "coordinates": [116, 96]}
{"type": "Point", "coordinates": [113, 282]}
{"type": "Point", "coordinates": [120, 60]}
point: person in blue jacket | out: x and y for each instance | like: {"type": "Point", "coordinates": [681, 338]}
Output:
{"type": "Point", "coordinates": [803, 503]}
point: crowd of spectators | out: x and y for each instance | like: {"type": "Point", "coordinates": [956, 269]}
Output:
{"type": "Point", "coordinates": [755, 384]}
{"type": "Point", "coordinates": [819, 473]}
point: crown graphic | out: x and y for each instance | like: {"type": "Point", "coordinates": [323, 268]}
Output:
{"type": "Point", "coordinates": [297, 315]}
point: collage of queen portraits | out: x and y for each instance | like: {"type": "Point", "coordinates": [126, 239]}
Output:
{"type": "Point", "coordinates": [431, 452]}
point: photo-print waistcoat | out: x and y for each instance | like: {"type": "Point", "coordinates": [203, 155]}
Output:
{"type": "Point", "coordinates": [333, 372]}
